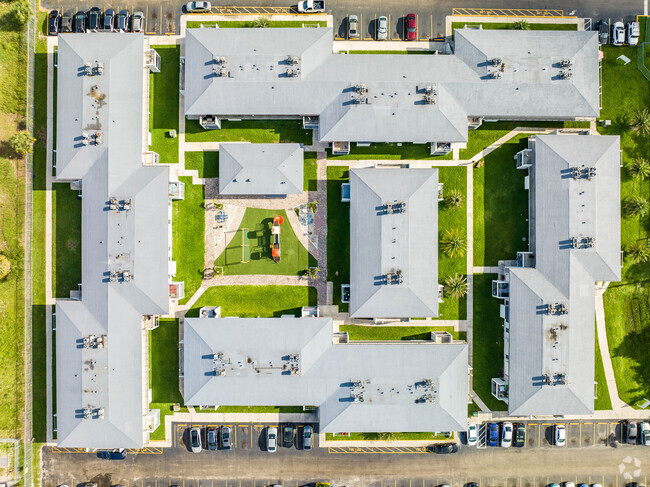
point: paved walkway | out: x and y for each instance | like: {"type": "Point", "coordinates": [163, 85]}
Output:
{"type": "Point", "coordinates": [486, 270]}
{"type": "Point", "coordinates": [320, 226]}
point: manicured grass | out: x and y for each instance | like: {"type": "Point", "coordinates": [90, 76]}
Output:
{"type": "Point", "coordinates": [500, 206]}
{"type": "Point", "coordinates": [163, 104]}
{"type": "Point", "coordinates": [487, 341]}
{"type": "Point", "coordinates": [627, 315]}
{"type": "Point", "coordinates": [207, 163]}
{"type": "Point", "coordinates": [472, 409]}
{"type": "Point", "coordinates": [255, 229]}
{"type": "Point", "coordinates": [602, 400]}
{"type": "Point", "coordinates": [338, 233]}
{"type": "Point", "coordinates": [256, 301]}
{"type": "Point", "coordinates": [510, 26]}
{"type": "Point", "coordinates": [66, 238]}
{"type": "Point", "coordinates": [395, 437]}
{"type": "Point", "coordinates": [390, 151]}
{"type": "Point", "coordinates": [260, 409]}
{"type": "Point", "coordinates": [453, 178]}
{"type": "Point", "coordinates": [255, 131]}
{"type": "Point", "coordinates": [237, 24]}
{"type": "Point", "coordinates": [310, 169]}
{"type": "Point", "coordinates": [188, 230]}
{"type": "Point", "coordinates": [393, 52]}
{"type": "Point", "coordinates": [384, 333]}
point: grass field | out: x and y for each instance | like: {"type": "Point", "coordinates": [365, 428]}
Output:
{"type": "Point", "coordinates": [163, 104]}
{"type": "Point", "coordinates": [602, 400]}
{"type": "Point", "coordinates": [254, 301]}
{"type": "Point", "coordinates": [66, 238]}
{"type": "Point", "coordinates": [207, 163]}
{"type": "Point", "coordinates": [238, 24]}
{"type": "Point", "coordinates": [389, 151]}
{"type": "Point", "coordinates": [511, 26]}
{"type": "Point", "coordinates": [393, 437]}
{"type": "Point", "coordinates": [488, 341]}
{"type": "Point", "coordinates": [338, 235]}
{"type": "Point", "coordinates": [500, 206]}
{"type": "Point", "coordinates": [405, 51]}
{"type": "Point", "coordinates": [383, 333]}
{"type": "Point", "coordinates": [255, 229]}
{"type": "Point", "coordinates": [188, 230]}
{"type": "Point", "coordinates": [310, 169]}
{"type": "Point", "coordinates": [254, 131]}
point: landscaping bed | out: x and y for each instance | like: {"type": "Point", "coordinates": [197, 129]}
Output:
{"type": "Point", "coordinates": [163, 104]}
{"type": "Point", "coordinates": [238, 24]}
{"type": "Point", "coordinates": [385, 333]}
{"type": "Point", "coordinates": [511, 26]}
{"type": "Point", "coordinates": [254, 131]}
{"type": "Point", "coordinates": [388, 437]}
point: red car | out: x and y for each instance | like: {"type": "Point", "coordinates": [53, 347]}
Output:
{"type": "Point", "coordinates": [411, 27]}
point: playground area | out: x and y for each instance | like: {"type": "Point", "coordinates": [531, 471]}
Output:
{"type": "Point", "coordinates": [264, 243]}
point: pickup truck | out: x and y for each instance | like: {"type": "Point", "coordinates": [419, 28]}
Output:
{"type": "Point", "coordinates": [311, 6]}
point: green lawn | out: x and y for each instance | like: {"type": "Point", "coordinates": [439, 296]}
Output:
{"type": "Point", "coordinates": [395, 437]}
{"type": "Point", "coordinates": [338, 232]}
{"type": "Point", "coordinates": [448, 219]}
{"type": "Point", "coordinates": [163, 104]}
{"type": "Point", "coordinates": [256, 301]}
{"type": "Point", "coordinates": [207, 163]}
{"type": "Point", "coordinates": [310, 169]}
{"type": "Point", "coordinates": [66, 237]}
{"type": "Point", "coordinates": [259, 409]}
{"type": "Point", "coordinates": [500, 206]}
{"type": "Point", "coordinates": [235, 24]}
{"type": "Point", "coordinates": [488, 341]}
{"type": "Point", "coordinates": [510, 26]}
{"type": "Point", "coordinates": [255, 131]}
{"type": "Point", "coordinates": [602, 400]}
{"type": "Point", "coordinates": [472, 409]}
{"type": "Point", "coordinates": [255, 228]}
{"type": "Point", "coordinates": [393, 52]}
{"type": "Point", "coordinates": [384, 333]}
{"type": "Point", "coordinates": [389, 151]}
{"type": "Point", "coordinates": [188, 230]}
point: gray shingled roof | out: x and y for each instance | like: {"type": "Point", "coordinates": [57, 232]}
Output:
{"type": "Point", "coordinates": [382, 243]}
{"type": "Point", "coordinates": [255, 357]}
{"type": "Point", "coordinates": [393, 109]}
{"type": "Point", "coordinates": [134, 240]}
{"type": "Point", "coordinates": [271, 169]}
{"type": "Point", "coordinates": [563, 344]}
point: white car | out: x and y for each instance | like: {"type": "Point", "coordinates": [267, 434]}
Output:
{"type": "Point", "coordinates": [618, 34]}
{"type": "Point", "coordinates": [633, 32]}
{"type": "Point", "coordinates": [382, 28]}
{"type": "Point", "coordinates": [198, 7]}
{"type": "Point", "coordinates": [472, 434]}
{"type": "Point", "coordinates": [560, 435]}
{"type": "Point", "coordinates": [569, 484]}
{"type": "Point", "coordinates": [644, 433]}
{"type": "Point", "coordinates": [271, 439]}
{"type": "Point", "coordinates": [353, 26]}
{"type": "Point", "coordinates": [506, 435]}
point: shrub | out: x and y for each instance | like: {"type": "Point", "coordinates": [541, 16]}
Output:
{"type": "Point", "coordinates": [456, 286]}
{"type": "Point", "coordinates": [640, 122]}
{"type": "Point", "coordinates": [637, 206]}
{"type": "Point", "coordinates": [22, 143]}
{"type": "Point", "coordinates": [453, 243]}
{"type": "Point", "coordinates": [261, 22]}
{"type": "Point", "coordinates": [20, 13]}
{"type": "Point", "coordinates": [454, 199]}
{"type": "Point", "coordinates": [639, 252]}
{"type": "Point", "coordinates": [5, 266]}
{"type": "Point", "coordinates": [521, 25]}
{"type": "Point", "coordinates": [639, 168]}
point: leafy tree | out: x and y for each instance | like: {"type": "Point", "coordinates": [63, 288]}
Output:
{"type": "Point", "coordinates": [453, 243]}
{"type": "Point", "coordinates": [640, 122]}
{"type": "Point", "coordinates": [20, 13]}
{"type": "Point", "coordinates": [521, 25]}
{"type": "Point", "coordinates": [261, 22]}
{"type": "Point", "coordinates": [639, 168]}
{"type": "Point", "coordinates": [454, 199]}
{"type": "Point", "coordinates": [456, 286]}
{"type": "Point", "coordinates": [637, 206]}
{"type": "Point", "coordinates": [388, 436]}
{"type": "Point", "coordinates": [5, 266]}
{"type": "Point", "coordinates": [639, 252]}
{"type": "Point", "coordinates": [22, 143]}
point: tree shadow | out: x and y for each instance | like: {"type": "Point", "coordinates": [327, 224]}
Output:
{"type": "Point", "coordinates": [635, 346]}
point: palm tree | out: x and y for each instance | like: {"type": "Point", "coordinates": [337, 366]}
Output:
{"type": "Point", "coordinates": [261, 22]}
{"type": "Point", "coordinates": [639, 168]}
{"type": "Point", "coordinates": [637, 206]}
{"type": "Point", "coordinates": [640, 122]}
{"type": "Point", "coordinates": [388, 436]}
{"type": "Point", "coordinates": [454, 199]}
{"type": "Point", "coordinates": [456, 286]}
{"type": "Point", "coordinates": [453, 243]}
{"type": "Point", "coordinates": [521, 25]}
{"type": "Point", "coordinates": [639, 252]}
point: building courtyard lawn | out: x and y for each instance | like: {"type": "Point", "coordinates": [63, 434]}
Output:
{"type": "Point", "coordinates": [389, 151]}
{"type": "Point", "coordinates": [238, 24]}
{"type": "Point", "coordinates": [256, 301]}
{"type": "Point", "coordinates": [310, 172]}
{"type": "Point", "coordinates": [163, 104]}
{"type": "Point", "coordinates": [255, 256]}
{"type": "Point", "coordinates": [254, 131]}
{"type": "Point", "coordinates": [206, 162]}
{"type": "Point", "coordinates": [188, 230]}
{"type": "Point", "coordinates": [385, 333]}
{"type": "Point", "coordinates": [500, 205]}
{"type": "Point", "coordinates": [66, 238]}
{"type": "Point", "coordinates": [338, 234]}
{"type": "Point", "coordinates": [602, 400]}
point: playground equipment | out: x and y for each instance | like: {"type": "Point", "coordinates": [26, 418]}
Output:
{"type": "Point", "coordinates": [245, 247]}
{"type": "Point", "coordinates": [276, 253]}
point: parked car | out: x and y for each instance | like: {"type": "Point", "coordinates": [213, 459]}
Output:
{"type": "Point", "coordinates": [630, 432]}
{"type": "Point", "coordinates": [195, 440]}
{"type": "Point", "coordinates": [603, 31]}
{"type": "Point", "coordinates": [79, 22]}
{"type": "Point", "coordinates": [53, 22]}
{"type": "Point", "coordinates": [287, 436]}
{"type": "Point", "coordinates": [411, 27]}
{"type": "Point", "coordinates": [138, 22]}
{"type": "Point", "coordinates": [618, 34]}
{"type": "Point", "coordinates": [560, 435]}
{"type": "Point", "coordinates": [520, 435]}
{"type": "Point", "coordinates": [211, 438]}
{"type": "Point", "coordinates": [382, 28]}
{"type": "Point", "coordinates": [271, 438]}
{"type": "Point", "coordinates": [66, 23]}
{"type": "Point", "coordinates": [193, 7]}
{"type": "Point", "coordinates": [226, 435]}
{"type": "Point", "coordinates": [472, 434]}
{"type": "Point", "coordinates": [569, 484]}
{"type": "Point", "coordinates": [493, 434]}
{"type": "Point", "coordinates": [353, 26]}
{"type": "Point", "coordinates": [633, 32]}
{"type": "Point", "coordinates": [118, 454]}
{"type": "Point", "coordinates": [644, 433]}
{"type": "Point", "coordinates": [506, 435]}
{"type": "Point", "coordinates": [94, 19]}
{"type": "Point", "coordinates": [109, 19]}
{"type": "Point", "coordinates": [307, 439]}
{"type": "Point", "coordinates": [123, 21]}
{"type": "Point", "coordinates": [446, 448]}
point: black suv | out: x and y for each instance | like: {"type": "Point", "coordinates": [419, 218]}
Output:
{"type": "Point", "coordinates": [109, 19]}
{"type": "Point", "coordinates": [94, 19]}
{"type": "Point", "coordinates": [287, 435]}
{"type": "Point", "coordinates": [520, 435]}
{"type": "Point", "coordinates": [53, 23]}
{"type": "Point", "coordinates": [123, 21]}
{"type": "Point", "coordinates": [79, 22]}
